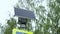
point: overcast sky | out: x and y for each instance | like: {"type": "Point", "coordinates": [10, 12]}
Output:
{"type": "Point", "coordinates": [5, 6]}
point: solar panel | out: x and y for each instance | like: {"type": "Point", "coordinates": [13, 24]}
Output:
{"type": "Point", "coordinates": [24, 13]}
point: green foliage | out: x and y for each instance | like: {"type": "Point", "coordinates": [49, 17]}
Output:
{"type": "Point", "coordinates": [11, 24]}
{"type": "Point", "coordinates": [54, 16]}
{"type": "Point", "coordinates": [37, 32]}
{"type": "Point", "coordinates": [8, 30]}
{"type": "Point", "coordinates": [46, 23]}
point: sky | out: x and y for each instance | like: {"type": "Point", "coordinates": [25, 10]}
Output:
{"type": "Point", "coordinates": [6, 8]}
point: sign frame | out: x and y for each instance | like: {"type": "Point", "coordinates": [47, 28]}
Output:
{"type": "Point", "coordinates": [23, 31]}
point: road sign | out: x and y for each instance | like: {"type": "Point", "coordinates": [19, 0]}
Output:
{"type": "Point", "coordinates": [18, 31]}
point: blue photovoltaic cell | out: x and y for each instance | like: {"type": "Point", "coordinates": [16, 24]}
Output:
{"type": "Point", "coordinates": [24, 13]}
{"type": "Point", "coordinates": [20, 33]}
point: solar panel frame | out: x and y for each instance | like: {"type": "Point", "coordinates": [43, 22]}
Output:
{"type": "Point", "coordinates": [24, 13]}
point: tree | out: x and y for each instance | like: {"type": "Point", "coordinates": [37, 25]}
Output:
{"type": "Point", "coordinates": [11, 24]}
{"type": "Point", "coordinates": [54, 14]}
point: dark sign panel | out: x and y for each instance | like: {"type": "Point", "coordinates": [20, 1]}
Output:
{"type": "Point", "coordinates": [24, 13]}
